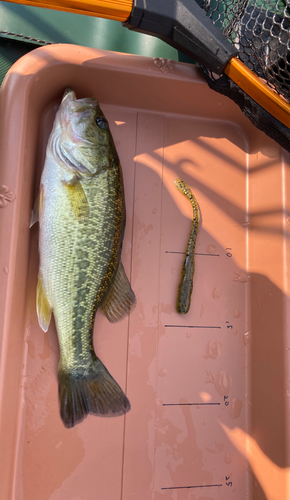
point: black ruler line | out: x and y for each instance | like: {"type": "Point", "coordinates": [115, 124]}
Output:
{"type": "Point", "coordinates": [196, 486]}
{"type": "Point", "coordinates": [191, 326]}
{"type": "Point", "coordinates": [190, 404]}
{"type": "Point", "coordinates": [196, 253]}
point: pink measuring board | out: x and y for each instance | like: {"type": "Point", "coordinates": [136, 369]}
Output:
{"type": "Point", "coordinates": [208, 390]}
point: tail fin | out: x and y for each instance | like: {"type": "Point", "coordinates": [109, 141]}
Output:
{"type": "Point", "coordinates": [87, 391]}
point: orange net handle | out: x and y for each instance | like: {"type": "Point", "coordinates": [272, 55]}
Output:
{"type": "Point", "coordinates": [258, 90]}
{"type": "Point", "coordinates": [119, 10]}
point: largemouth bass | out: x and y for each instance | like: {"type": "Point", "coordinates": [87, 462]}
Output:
{"type": "Point", "coordinates": [81, 213]}
{"type": "Point", "coordinates": [186, 280]}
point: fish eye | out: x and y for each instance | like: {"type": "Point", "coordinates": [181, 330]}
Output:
{"type": "Point", "coordinates": [102, 123]}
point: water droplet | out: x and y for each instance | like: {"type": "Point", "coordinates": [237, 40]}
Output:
{"type": "Point", "coordinates": [148, 228]}
{"type": "Point", "coordinates": [288, 393]}
{"type": "Point", "coordinates": [216, 293]}
{"type": "Point", "coordinates": [288, 221]}
{"type": "Point", "coordinates": [213, 349]}
{"type": "Point", "coordinates": [204, 422]}
{"type": "Point", "coordinates": [188, 335]}
{"type": "Point", "coordinates": [235, 408]}
{"type": "Point", "coordinates": [235, 332]}
{"type": "Point", "coordinates": [162, 372]}
{"type": "Point", "coordinates": [166, 308]}
{"type": "Point", "coordinates": [211, 249]}
{"type": "Point", "coordinates": [228, 458]}
{"type": "Point", "coordinates": [5, 270]}
{"type": "Point", "coordinates": [247, 339]}
{"type": "Point", "coordinates": [241, 276]}
{"type": "Point", "coordinates": [154, 211]}
{"type": "Point", "coordinates": [237, 313]}
{"type": "Point", "coordinates": [217, 448]}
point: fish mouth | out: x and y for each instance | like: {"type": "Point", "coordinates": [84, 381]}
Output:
{"type": "Point", "coordinates": [68, 95]}
{"type": "Point", "coordinates": [78, 105]}
{"type": "Point", "coordinates": [76, 111]}
{"type": "Point", "coordinates": [75, 116]}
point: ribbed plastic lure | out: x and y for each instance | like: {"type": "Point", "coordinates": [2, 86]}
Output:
{"type": "Point", "coordinates": [186, 281]}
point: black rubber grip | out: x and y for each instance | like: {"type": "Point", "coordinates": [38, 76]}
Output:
{"type": "Point", "coordinates": [184, 25]}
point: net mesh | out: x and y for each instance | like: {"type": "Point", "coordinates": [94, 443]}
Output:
{"type": "Point", "coordinates": [260, 30]}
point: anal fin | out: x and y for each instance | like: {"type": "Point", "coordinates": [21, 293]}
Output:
{"type": "Point", "coordinates": [120, 299]}
{"type": "Point", "coordinates": [42, 306]}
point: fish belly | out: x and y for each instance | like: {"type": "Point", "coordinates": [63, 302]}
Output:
{"type": "Point", "coordinates": [76, 254]}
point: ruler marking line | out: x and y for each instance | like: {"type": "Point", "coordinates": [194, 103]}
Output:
{"type": "Point", "coordinates": [196, 253]}
{"type": "Point", "coordinates": [196, 486]}
{"type": "Point", "coordinates": [192, 326]}
{"type": "Point", "coordinates": [190, 404]}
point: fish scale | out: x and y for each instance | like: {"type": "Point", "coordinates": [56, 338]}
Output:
{"type": "Point", "coordinates": [82, 220]}
{"type": "Point", "coordinates": [76, 264]}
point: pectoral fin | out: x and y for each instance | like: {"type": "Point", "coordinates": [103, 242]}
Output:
{"type": "Point", "coordinates": [77, 198]}
{"type": "Point", "coordinates": [37, 208]}
{"type": "Point", "coordinates": [42, 306]}
{"type": "Point", "coordinates": [120, 299]}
